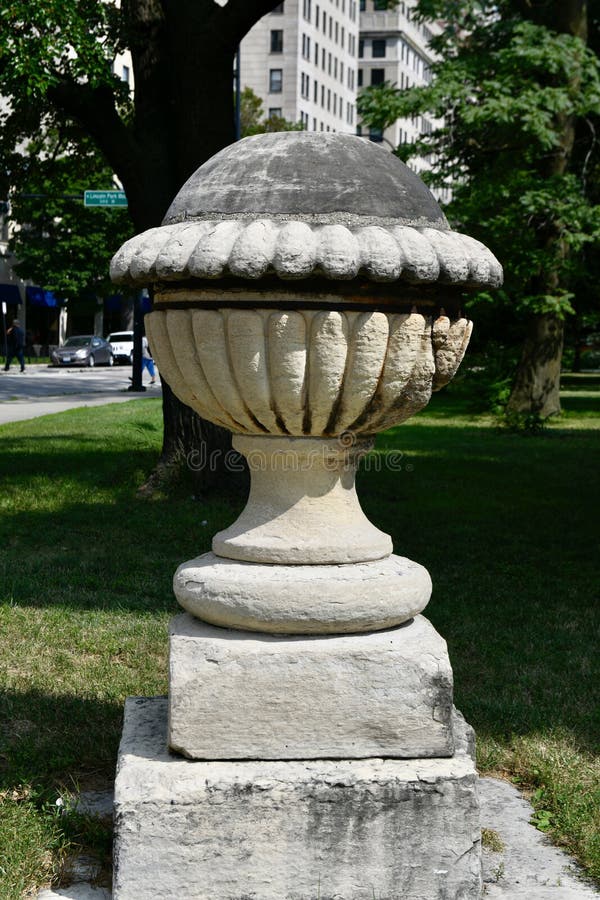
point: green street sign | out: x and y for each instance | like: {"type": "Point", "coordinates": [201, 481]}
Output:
{"type": "Point", "coordinates": [104, 198]}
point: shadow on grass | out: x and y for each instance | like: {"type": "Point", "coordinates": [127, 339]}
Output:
{"type": "Point", "coordinates": [588, 406]}
{"type": "Point", "coordinates": [56, 741]}
{"type": "Point", "coordinates": [505, 524]}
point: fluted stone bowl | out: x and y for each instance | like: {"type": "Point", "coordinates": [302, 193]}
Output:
{"type": "Point", "coordinates": [312, 372]}
{"type": "Point", "coordinates": [300, 282]}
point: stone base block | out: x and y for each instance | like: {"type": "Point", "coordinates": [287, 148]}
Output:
{"type": "Point", "coordinates": [237, 695]}
{"type": "Point", "coordinates": [346, 830]}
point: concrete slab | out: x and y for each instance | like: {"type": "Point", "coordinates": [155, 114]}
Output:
{"type": "Point", "coordinates": [529, 867]}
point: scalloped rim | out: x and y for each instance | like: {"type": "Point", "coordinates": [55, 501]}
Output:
{"type": "Point", "coordinates": [295, 250]}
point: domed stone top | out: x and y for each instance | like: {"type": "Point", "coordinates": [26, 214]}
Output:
{"type": "Point", "coordinates": [318, 178]}
{"type": "Point", "coordinates": [299, 205]}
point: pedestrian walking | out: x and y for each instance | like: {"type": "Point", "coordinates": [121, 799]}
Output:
{"type": "Point", "coordinates": [147, 361]}
{"type": "Point", "coordinates": [15, 343]}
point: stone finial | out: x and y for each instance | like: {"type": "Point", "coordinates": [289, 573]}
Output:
{"type": "Point", "coordinates": [307, 294]}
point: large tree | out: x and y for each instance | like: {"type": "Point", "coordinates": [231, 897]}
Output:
{"type": "Point", "coordinates": [514, 84]}
{"type": "Point", "coordinates": [56, 64]}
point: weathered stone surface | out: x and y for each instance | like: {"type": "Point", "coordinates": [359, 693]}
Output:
{"type": "Point", "coordinates": [302, 508]}
{"type": "Point", "coordinates": [236, 695]}
{"type": "Point", "coordinates": [305, 372]}
{"type": "Point", "coordinates": [347, 830]}
{"type": "Point", "coordinates": [298, 205]}
{"type": "Point", "coordinates": [316, 599]}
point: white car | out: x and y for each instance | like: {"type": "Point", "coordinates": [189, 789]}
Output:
{"type": "Point", "coordinates": [122, 346]}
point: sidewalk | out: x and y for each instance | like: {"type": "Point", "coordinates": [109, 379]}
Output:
{"type": "Point", "coordinates": [42, 390]}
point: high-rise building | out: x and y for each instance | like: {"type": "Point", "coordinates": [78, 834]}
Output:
{"type": "Point", "coordinates": [301, 60]}
{"type": "Point", "coordinates": [393, 47]}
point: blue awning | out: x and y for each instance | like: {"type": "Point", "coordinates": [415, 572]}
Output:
{"type": "Point", "coordinates": [37, 296]}
{"type": "Point", "coordinates": [10, 293]}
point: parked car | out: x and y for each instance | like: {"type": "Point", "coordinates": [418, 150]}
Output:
{"type": "Point", "coordinates": [122, 346]}
{"type": "Point", "coordinates": [83, 350]}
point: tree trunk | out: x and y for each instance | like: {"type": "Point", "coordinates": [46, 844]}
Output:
{"type": "Point", "coordinates": [201, 448]}
{"type": "Point", "coordinates": [537, 381]}
{"type": "Point", "coordinates": [182, 53]}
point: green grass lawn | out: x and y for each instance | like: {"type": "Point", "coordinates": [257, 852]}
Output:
{"type": "Point", "coordinates": [506, 524]}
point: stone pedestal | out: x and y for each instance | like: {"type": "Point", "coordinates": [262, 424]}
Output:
{"type": "Point", "coordinates": [299, 830]}
{"type": "Point", "coordinates": [307, 296]}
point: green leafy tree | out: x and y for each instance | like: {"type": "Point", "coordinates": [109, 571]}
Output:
{"type": "Point", "coordinates": [56, 66]}
{"type": "Point", "coordinates": [253, 119]}
{"type": "Point", "coordinates": [515, 84]}
{"type": "Point", "coordinates": [61, 244]}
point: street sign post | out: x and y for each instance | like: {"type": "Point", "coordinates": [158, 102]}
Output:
{"type": "Point", "coordinates": [104, 198]}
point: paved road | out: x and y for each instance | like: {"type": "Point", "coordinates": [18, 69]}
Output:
{"type": "Point", "coordinates": [42, 389]}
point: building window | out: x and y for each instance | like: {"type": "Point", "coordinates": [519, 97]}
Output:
{"type": "Point", "coordinates": [377, 76]}
{"type": "Point", "coordinates": [314, 124]}
{"type": "Point", "coordinates": [125, 74]}
{"type": "Point", "coordinates": [343, 37]}
{"type": "Point", "coordinates": [323, 95]}
{"type": "Point", "coordinates": [275, 81]}
{"type": "Point", "coordinates": [342, 72]}
{"type": "Point", "coordinates": [278, 9]}
{"type": "Point", "coordinates": [306, 9]}
{"type": "Point", "coordinates": [363, 5]}
{"type": "Point", "coordinates": [335, 67]}
{"type": "Point", "coordinates": [330, 28]}
{"type": "Point", "coordinates": [316, 16]}
{"type": "Point", "coordinates": [360, 77]}
{"type": "Point", "coordinates": [328, 100]}
{"type": "Point", "coordinates": [323, 56]}
{"type": "Point", "coordinates": [324, 22]}
{"type": "Point", "coordinates": [337, 33]}
{"type": "Point", "coordinates": [275, 112]}
{"type": "Point", "coordinates": [316, 54]}
{"type": "Point", "coordinates": [361, 48]}
{"type": "Point", "coordinates": [329, 63]}
{"type": "Point", "coordinates": [305, 46]}
{"type": "Point", "coordinates": [379, 5]}
{"type": "Point", "coordinates": [315, 92]}
{"type": "Point", "coordinates": [379, 48]}
{"type": "Point", "coordinates": [376, 135]}
{"type": "Point", "coordinates": [277, 41]}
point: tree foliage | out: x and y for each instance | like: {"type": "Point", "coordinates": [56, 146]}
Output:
{"type": "Point", "coordinates": [56, 67]}
{"type": "Point", "coordinates": [59, 243]}
{"type": "Point", "coordinates": [516, 92]}
{"type": "Point", "coordinates": [500, 92]}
